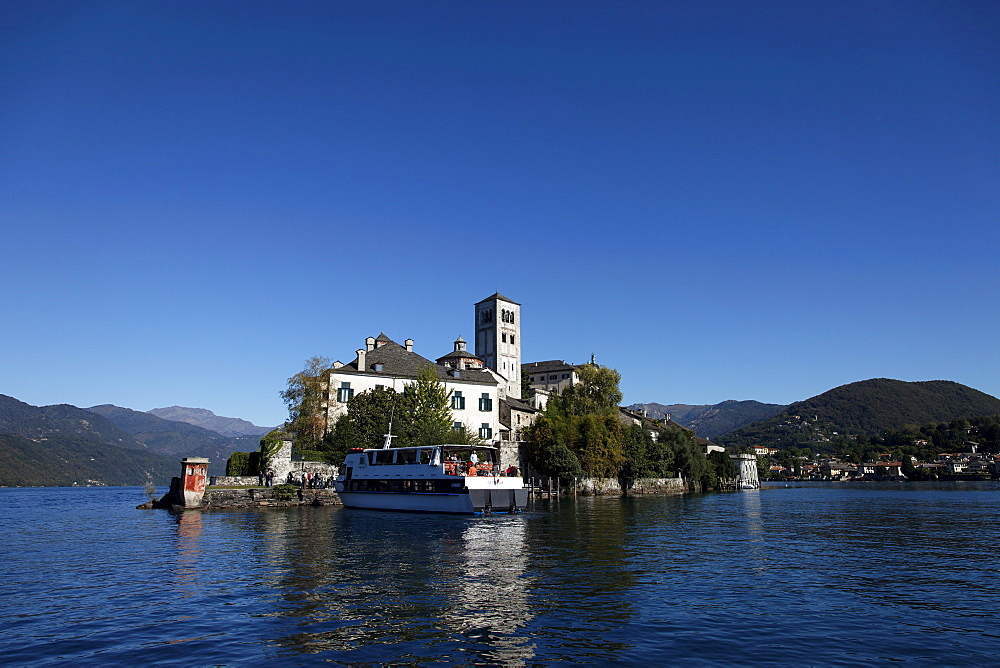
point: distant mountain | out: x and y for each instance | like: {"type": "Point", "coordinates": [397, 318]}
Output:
{"type": "Point", "coordinates": [176, 439]}
{"type": "Point", "coordinates": [715, 420]}
{"type": "Point", "coordinates": [867, 407]}
{"type": "Point", "coordinates": [205, 418]}
{"type": "Point", "coordinates": [65, 445]}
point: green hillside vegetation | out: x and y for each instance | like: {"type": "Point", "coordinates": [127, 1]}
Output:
{"type": "Point", "coordinates": [864, 409]}
{"type": "Point", "coordinates": [582, 433]}
{"type": "Point", "coordinates": [173, 438]}
{"type": "Point", "coordinates": [66, 445]}
{"type": "Point", "coordinates": [927, 442]}
{"type": "Point", "coordinates": [71, 459]}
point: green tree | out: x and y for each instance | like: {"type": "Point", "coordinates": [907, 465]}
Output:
{"type": "Point", "coordinates": [660, 454]}
{"type": "Point", "coordinates": [548, 453]}
{"type": "Point", "coordinates": [597, 392]}
{"type": "Point", "coordinates": [636, 447]}
{"type": "Point", "coordinates": [722, 466]}
{"type": "Point", "coordinates": [907, 468]}
{"type": "Point", "coordinates": [305, 396]}
{"type": "Point", "coordinates": [368, 416]}
{"type": "Point", "coordinates": [599, 444]}
{"type": "Point", "coordinates": [425, 417]}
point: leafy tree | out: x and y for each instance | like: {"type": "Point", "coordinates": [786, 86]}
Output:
{"type": "Point", "coordinates": [599, 445]}
{"type": "Point", "coordinates": [908, 469]}
{"type": "Point", "coordinates": [368, 415]}
{"type": "Point", "coordinates": [597, 392]}
{"type": "Point", "coordinates": [526, 391]}
{"type": "Point", "coordinates": [304, 396]}
{"type": "Point", "coordinates": [691, 462]}
{"type": "Point", "coordinates": [660, 454]}
{"type": "Point", "coordinates": [722, 466]}
{"type": "Point", "coordinates": [238, 464]}
{"type": "Point", "coordinates": [548, 452]}
{"type": "Point", "coordinates": [636, 447]}
{"type": "Point", "coordinates": [421, 415]}
{"type": "Point", "coordinates": [425, 418]}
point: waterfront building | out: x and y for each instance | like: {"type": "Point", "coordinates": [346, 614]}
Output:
{"type": "Point", "coordinates": [484, 387]}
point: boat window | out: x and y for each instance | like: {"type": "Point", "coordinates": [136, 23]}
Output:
{"type": "Point", "coordinates": [425, 455]}
{"type": "Point", "coordinates": [407, 457]}
{"type": "Point", "coordinates": [383, 456]}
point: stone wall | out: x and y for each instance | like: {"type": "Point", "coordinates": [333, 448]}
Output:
{"type": "Point", "coordinates": [611, 487]}
{"type": "Point", "coordinates": [263, 497]}
{"type": "Point", "coordinates": [237, 480]}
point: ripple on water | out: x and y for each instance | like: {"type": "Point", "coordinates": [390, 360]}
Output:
{"type": "Point", "coordinates": [814, 574]}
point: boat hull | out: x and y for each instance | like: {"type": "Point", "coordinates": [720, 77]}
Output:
{"type": "Point", "coordinates": [474, 502]}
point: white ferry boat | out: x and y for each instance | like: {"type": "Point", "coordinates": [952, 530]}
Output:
{"type": "Point", "coordinates": [461, 479]}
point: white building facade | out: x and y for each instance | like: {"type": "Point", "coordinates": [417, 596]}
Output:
{"type": "Point", "coordinates": [473, 392]}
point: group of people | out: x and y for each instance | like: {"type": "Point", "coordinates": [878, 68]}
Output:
{"type": "Point", "coordinates": [474, 467]}
{"type": "Point", "coordinates": [309, 480]}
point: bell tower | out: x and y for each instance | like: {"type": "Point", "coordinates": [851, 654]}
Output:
{"type": "Point", "coordinates": [498, 339]}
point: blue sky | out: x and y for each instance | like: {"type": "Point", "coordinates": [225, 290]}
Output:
{"type": "Point", "coordinates": [722, 200]}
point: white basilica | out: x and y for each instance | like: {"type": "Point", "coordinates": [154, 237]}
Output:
{"type": "Point", "coordinates": [484, 387]}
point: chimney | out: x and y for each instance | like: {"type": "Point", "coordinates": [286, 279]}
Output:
{"type": "Point", "coordinates": [409, 345]}
{"type": "Point", "coordinates": [361, 360]}
{"type": "Point", "coordinates": [370, 343]}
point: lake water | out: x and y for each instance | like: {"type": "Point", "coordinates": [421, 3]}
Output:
{"type": "Point", "coordinates": [813, 574]}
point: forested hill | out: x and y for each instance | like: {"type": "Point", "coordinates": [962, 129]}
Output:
{"type": "Point", "coordinates": [65, 445]}
{"type": "Point", "coordinates": [715, 420]}
{"type": "Point", "coordinates": [868, 408]}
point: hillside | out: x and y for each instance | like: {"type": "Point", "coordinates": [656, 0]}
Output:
{"type": "Point", "coordinates": [206, 419]}
{"type": "Point", "coordinates": [715, 420]}
{"type": "Point", "coordinates": [868, 408]}
{"type": "Point", "coordinates": [176, 439]}
{"type": "Point", "coordinates": [66, 445]}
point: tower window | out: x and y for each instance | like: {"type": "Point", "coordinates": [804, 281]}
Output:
{"type": "Point", "coordinates": [512, 338]}
{"type": "Point", "coordinates": [503, 337]}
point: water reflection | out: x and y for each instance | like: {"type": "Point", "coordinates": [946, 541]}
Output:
{"type": "Point", "coordinates": [186, 566]}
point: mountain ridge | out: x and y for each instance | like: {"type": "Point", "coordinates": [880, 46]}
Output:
{"type": "Point", "coordinates": [866, 408]}
{"type": "Point", "coordinates": [711, 421]}
{"type": "Point", "coordinates": [206, 419]}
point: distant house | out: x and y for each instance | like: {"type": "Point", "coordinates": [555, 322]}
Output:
{"type": "Point", "coordinates": [551, 375]}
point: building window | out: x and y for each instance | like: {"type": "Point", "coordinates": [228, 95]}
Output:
{"type": "Point", "coordinates": [485, 403]}
{"type": "Point", "coordinates": [512, 339]}
{"type": "Point", "coordinates": [485, 431]}
{"type": "Point", "coordinates": [378, 367]}
{"type": "Point", "coordinates": [457, 401]}
{"type": "Point", "coordinates": [456, 426]}
{"type": "Point", "coordinates": [345, 393]}
{"type": "Point", "coordinates": [553, 377]}
{"type": "Point", "coordinates": [531, 379]}
{"type": "Point", "coordinates": [565, 376]}
{"type": "Point", "coordinates": [503, 338]}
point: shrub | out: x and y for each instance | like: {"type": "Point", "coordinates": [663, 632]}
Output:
{"type": "Point", "coordinates": [284, 492]}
